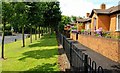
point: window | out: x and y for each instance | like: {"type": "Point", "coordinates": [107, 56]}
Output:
{"type": "Point", "coordinates": [118, 22]}
{"type": "Point", "coordinates": [94, 23]}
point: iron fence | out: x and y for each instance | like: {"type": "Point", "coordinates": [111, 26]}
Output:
{"type": "Point", "coordinates": [79, 61]}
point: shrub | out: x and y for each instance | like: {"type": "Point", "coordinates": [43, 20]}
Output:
{"type": "Point", "coordinates": [99, 32]}
{"type": "Point", "coordinates": [82, 31]}
{"type": "Point", "coordinates": [74, 28]}
{"type": "Point", "coordinates": [8, 33]}
{"type": "Point", "coordinates": [74, 31]}
{"type": "Point", "coordinates": [81, 24]}
{"type": "Point", "coordinates": [118, 37]}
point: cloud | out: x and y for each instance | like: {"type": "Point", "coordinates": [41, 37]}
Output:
{"type": "Point", "coordinates": [78, 7]}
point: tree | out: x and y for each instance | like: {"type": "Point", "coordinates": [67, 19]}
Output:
{"type": "Point", "coordinates": [41, 10]}
{"type": "Point", "coordinates": [52, 15]}
{"type": "Point", "coordinates": [7, 12]}
{"type": "Point", "coordinates": [73, 18]}
{"type": "Point", "coordinates": [64, 21]}
{"type": "Point", "coordinates": [20, 16]}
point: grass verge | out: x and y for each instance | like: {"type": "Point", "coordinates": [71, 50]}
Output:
{"type": "Point", "coordinates": [41, 55]}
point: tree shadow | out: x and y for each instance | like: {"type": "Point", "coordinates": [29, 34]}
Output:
{"type": "Point", "coordinates": [43, 67]}
{"type": "Point", "coordinates": [44, 42]}
{"type": "Point", "coordinates": [39, 54]}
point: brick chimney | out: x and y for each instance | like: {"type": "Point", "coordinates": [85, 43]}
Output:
{"type": "Point", "coordinates": [87, 14]}
{"type": "Point", "coordinates": [103, 6]}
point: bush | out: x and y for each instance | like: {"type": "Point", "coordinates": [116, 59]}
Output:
{"type": "Point", "coordinates": [8, 33]}
{"type": "Point", "coordinates": [82, 31]}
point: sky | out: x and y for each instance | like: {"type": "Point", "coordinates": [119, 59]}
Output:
{"type": "Point", "coordinates": [81, 7]}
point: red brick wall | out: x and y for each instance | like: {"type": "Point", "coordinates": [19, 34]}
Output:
{"type": "Point", "coordinates": [109, 48]}
{"type": "Point", "coordinates": [104, 22]}
{"type": "Point", "coordinates": [113, 22]}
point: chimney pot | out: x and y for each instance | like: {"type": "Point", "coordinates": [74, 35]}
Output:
{"type": "Point", "coordinates": [103, 6]}
{"type": "Point", "coordinates": [87, 14]}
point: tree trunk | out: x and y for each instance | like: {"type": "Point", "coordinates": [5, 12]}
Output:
{"type": "Point", "coordinates": [49, 30]}
{"type": "Point", "coordinates": [46, 29]}
{"type": "Point", "coordinates": [35, 32]}
{"type": "Point", "coordinates": [23, 36]}
{"type": "Point", "coordinates": [31, 34]}
{"type": "Point", "coordinates": [39, 31]}
{"type": "Point", "coordinates": [3, 37]}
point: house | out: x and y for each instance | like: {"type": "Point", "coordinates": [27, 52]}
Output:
{"type": "Point", "coordinates": [107, 19]}
{"type": "Point", "coordinates": [84, 24]}
{"type": "Point", "coordinates": [69, 26]}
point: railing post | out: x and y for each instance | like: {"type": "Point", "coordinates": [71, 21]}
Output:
{"type": "Point", "coordinates": [77, 36]}
{"type": "Point", "coordinates": [86, 63]}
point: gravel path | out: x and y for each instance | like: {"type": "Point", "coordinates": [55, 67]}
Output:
{"type": "Point", "coordinates": [63, 60]}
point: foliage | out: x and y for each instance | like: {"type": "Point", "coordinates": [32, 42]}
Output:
{"type": "Point", "coordinates": [99, 32]}
{"type": "Point", "coordinates": [8, 27]}
{"type": "Point", "coordinates": [118, 37]}
{"type": "Point", "coordinates": [73, 18]}
{"type": "Point", "coordinates": [61, 27]}
{"type": "Point", "coordinates": [64, 21]}
{"type": "Point", "coordinates": [8, 33]}
{"type": "Point", "coordinates": [24, 15]}
{"type": "Point", "coordinates": [82, 31]}
{"type": "Point", "coordinates": [81, 24]}
{"type": "Point", "coordinates": [74, 28]}
{"type": "Point", "coordinates": [52, 14]}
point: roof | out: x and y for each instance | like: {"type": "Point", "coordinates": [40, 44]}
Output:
{"type": "Point", "coordinates": [84, 20]}
{"type": "Point", "coordinates": [72, 23]}
{"type": "Point", "coordinates": [106, 11]}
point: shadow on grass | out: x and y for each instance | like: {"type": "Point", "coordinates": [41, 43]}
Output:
{"type": "Point", "coordinates": [44, 42]}
{"type": "Point", "coordinates": [44, 67]}
{"type": "Point", "coordinates": [39, 54]}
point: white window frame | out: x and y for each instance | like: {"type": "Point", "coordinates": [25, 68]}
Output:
{"type": "Point", "coordinates": [117, 29]}
{"type": "Point", "coordinates": [87, 26]}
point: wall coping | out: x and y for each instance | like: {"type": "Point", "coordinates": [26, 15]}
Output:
{"type": "Point", "coordinates": [100, 37]}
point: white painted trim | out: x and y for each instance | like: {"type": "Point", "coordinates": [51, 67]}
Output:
{"type": "Point", "coordinates": [117, 23]}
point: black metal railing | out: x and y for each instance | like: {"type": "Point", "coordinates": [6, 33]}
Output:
{"type": "Point", "coordinates": [79, 61]}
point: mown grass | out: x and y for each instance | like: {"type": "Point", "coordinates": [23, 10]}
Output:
{"type": "Point", "coordinates": [41, 55]}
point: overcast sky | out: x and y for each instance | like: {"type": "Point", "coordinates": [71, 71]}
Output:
{"type": "Point", "coordinates": [81, 7]}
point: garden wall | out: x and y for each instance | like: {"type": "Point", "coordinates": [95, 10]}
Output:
{"type": "Point", "coordinates": [73, 36]}
{"type": "Point", "coordinates": [109, 48]}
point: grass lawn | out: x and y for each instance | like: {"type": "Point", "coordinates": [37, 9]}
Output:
{"type": "Point", "coordinates": [41, 55]}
